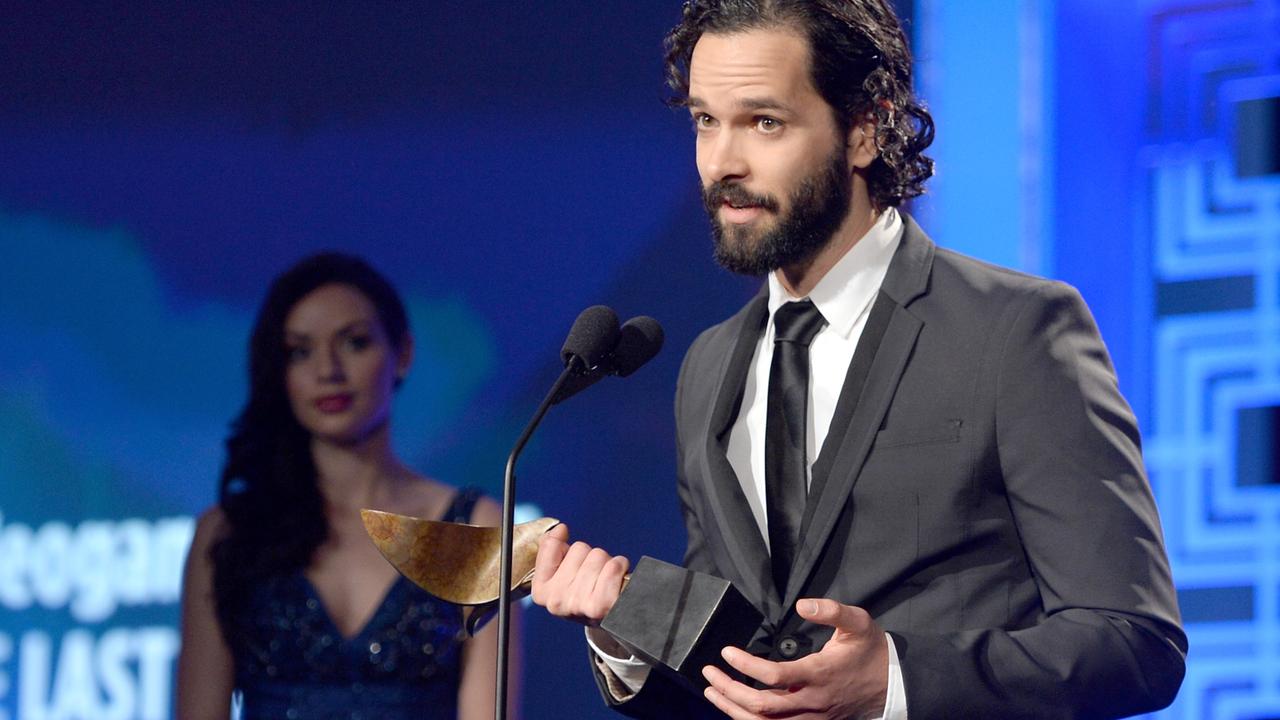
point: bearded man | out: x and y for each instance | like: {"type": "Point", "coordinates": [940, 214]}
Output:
{"type": "Point", "coordinates": [917, 466]}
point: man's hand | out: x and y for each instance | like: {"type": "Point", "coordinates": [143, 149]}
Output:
{"type": "Point", "coordinates": [848, 678]}
{"type": "Point", "coordinates": [577, 582]}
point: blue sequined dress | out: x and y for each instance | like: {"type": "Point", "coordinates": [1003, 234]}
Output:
{"type": "Point", "coordinates": [292, 663]}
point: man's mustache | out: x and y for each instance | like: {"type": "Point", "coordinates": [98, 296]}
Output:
{"type": "Point", "coordinates": [735, 194]}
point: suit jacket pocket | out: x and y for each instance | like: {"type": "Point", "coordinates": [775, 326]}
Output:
{"type": "Point", "coordinates": [947, 431]}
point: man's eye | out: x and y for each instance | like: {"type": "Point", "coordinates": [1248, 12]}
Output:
{"type": "Point", "coordinates": [702, 121]}
{"type": "Point", "coordinates": [297, 353]}
{"type": "Point", "coordinates": [768, 125]}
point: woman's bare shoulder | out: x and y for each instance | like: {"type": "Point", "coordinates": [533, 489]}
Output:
{"type": "Point", "coordinates": [487, 512]}
{"type": "Point", "coordinates": [211, 526]}
{"type": "Point", "coordinates": [432, 497]}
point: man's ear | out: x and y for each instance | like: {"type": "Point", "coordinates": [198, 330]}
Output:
{"type": "Point", "coordinates": [863, 149]}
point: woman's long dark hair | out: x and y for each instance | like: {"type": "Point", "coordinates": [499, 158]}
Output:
{"type": "Point", "coordinates": [268, 489]}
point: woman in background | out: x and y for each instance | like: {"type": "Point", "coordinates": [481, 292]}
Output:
{"type": "Point", "coordinates": [285, 598]}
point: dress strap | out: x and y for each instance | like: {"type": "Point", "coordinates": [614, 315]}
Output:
{"type": "Point", "coordinates": [464, 502]}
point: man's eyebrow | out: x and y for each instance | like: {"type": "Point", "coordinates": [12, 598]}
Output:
{"type": "Point", "coordinates": [761, 103]}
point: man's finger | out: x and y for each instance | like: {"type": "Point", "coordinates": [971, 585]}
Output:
{"type": "Point", "coordinates": [591, 594]}
{"type": "Point", "coordinates": [757, 702]}
{"type": "Point", "coordinates": [587, 574]}
{"type": "Point", "coordinates": [726, 706]}
{"type": "Point", "coordinates": [559, 532]}
{"type": "Point", "coordinates": [609, 581]}
{"type": "Point", "coordinates": [846, 618]}
{"type": "Point", "coordinates": [773, 674]}
{"type": "Point", "coordinates": [552, 548]}
{"type": "Point", "coordinates": [571, 563]}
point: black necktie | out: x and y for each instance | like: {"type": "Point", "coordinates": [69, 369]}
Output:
{"type": "Point", "coordinates": [785, 469]}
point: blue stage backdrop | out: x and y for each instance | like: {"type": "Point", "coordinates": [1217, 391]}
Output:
{"type": "Point", "coordinates": [509, 164]}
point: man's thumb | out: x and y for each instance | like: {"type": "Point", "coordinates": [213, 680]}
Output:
{"type": "Point", "coordinates": [823, 611]}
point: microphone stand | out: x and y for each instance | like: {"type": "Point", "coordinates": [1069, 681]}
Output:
{"type": "Point", "coordinates": [508, 530]}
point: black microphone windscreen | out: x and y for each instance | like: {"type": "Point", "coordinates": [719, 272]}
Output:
{"type": "Point", "coordinates": [638, 341]}
{"type": "Point", "coordinates": [593, 336]}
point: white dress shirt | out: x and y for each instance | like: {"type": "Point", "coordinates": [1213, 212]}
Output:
{"type": "Point", "coordinates": [844, 297]}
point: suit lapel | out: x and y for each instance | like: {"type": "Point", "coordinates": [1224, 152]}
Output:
{"type": "Point", "coordinates": [839, 462]}
{"type": "Point", "coordinates": [728, 503]}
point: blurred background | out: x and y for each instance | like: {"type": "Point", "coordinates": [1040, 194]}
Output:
{"type": "Point", "coordinates": [507, 164]}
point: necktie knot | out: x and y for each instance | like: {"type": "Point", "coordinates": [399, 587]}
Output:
{"type": "Point", "coordinates": [797, 322]}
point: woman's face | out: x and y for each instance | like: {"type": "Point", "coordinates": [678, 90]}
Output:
{"type": "Point", "coordinates": [340, 368]}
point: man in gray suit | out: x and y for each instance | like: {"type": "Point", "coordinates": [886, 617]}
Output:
{"type": "Point", "coordinates": [917, 466]}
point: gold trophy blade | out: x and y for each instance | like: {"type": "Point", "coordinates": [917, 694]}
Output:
{"type": "Point", "coordinates": [455, 562]}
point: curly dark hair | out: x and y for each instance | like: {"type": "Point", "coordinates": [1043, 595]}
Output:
{"type": "Point", "coordinates": [860, 64]}
{"type": "Point", "coordinates": [268, 489]}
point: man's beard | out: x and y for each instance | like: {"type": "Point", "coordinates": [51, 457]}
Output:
{"type": "Point", "coordinates": [818, 206]}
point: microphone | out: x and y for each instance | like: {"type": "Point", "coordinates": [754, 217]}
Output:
{"type": "Point", "coordinates": [639, 340]}
{"type": "Point", "coordinates": [594, 335]}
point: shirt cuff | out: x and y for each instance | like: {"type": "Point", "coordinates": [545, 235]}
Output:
{"type": "Point", "coordinates": [630, 671]}
{"type": "Point", "coordinates": [895, 699]}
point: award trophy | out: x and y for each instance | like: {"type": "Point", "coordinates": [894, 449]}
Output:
{"type": "Point", "coordinates": [675, 619]}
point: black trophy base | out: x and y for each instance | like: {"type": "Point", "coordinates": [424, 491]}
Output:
{"type": "Point", "coordinates": [678, 620]}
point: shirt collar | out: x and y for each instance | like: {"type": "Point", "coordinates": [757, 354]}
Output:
{"type": "Point", "coordinates": [846, 291]}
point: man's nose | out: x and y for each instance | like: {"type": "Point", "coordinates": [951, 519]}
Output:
{"type": "Point", "coordinates": [725, 160]}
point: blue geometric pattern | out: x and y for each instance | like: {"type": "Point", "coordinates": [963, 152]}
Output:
{"type": "Point", "coordinates": [1211, 229]}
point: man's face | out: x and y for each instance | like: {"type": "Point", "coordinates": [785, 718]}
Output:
{"type": "Point", "coordinates": [774, 167]}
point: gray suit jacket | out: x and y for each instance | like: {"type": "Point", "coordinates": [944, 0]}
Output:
{"type": "Point", "coordinates": [984, 499]}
